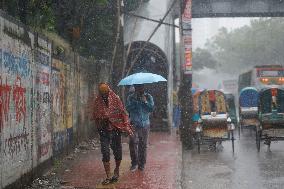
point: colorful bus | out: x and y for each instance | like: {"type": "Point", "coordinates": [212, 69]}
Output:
{"type": "Point", "coordinates": [262, 76]}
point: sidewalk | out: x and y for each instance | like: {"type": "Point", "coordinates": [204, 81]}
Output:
{"type": "Point", "coordinates": [162, 170]}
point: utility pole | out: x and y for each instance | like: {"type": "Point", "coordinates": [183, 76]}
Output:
{"type": "Point", "coordinates": [185, 95]}
{"type": "Point", "coordinates": [116, 67]}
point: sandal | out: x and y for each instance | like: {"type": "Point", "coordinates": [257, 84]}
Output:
{"type": "Point", "coordinates": [114, 179]}
{"type": "Point", "coordinates": [106, 181]}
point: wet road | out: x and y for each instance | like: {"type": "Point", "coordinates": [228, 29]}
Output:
{"type": "Point", "coordinates": [245, 169]}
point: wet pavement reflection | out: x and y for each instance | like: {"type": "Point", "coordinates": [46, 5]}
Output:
{"type": "Point", "coordinates": [246, 168]}
{"type": "Point", "coordinates": [162, 169]}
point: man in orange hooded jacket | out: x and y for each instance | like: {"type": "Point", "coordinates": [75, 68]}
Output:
{"type": "Point", "coordinates": [111, 120]}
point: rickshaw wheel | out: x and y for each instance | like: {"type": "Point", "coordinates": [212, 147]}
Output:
{"type": "Point", "coordinates": [258, 140]}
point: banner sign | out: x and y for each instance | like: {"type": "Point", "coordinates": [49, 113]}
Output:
{"type": "Point", "coordinates": [186, 16]}
{"type": "Point", "coordinates": [187, 37]}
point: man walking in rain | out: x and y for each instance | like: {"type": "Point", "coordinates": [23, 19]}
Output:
{"type": "Point", "coordinates": [111, 120]}
{"type": "Point", "coordinates": [139, 105]}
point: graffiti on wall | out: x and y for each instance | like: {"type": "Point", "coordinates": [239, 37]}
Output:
{"type": "Point", "coordinates": [58, 142]}
{"type": "Point", "coordinates": [69, 98]}
{"type": "Point", "coordinates": [19, 99]}
{"type": "Point", "coordinates": [15, 126]}
{"type": "Point", "coordinates": [5, 93]}
{"type": "Point", "coordinates": [15, 143]}
{"type": "Point", "coordinates": [13, 104]}
{"type": "Point", "coordinates": [62, 104]}
{"type": "Point", "coordinates": [59, 104]}
{"type": "Point", "coordinates": [70, 107]}
{"type": "Point", "coordinates": [38, 105]}
{"type": "Point", "coordinates": [15, 65]}
{"type": "Point", "coordinates": [42, 58]}
{"type": "Point", "coordinates": [42, 109]}
{"type": "Point", "coordinates": [58, 84]}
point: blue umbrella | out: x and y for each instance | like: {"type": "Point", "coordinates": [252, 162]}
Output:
{"type": "Point", "coordinates": [193, 90]}
{"type": "Point", "coordinates": [141, 78]}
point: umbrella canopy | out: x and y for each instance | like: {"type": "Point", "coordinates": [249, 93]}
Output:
{"type": "Point", "coordinates": [195, 90]}
{"type": "Point", "coordinates": [141, 78]}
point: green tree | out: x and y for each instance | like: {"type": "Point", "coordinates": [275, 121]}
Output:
{"type": "Point", "coordinates": [203, 58]}
{"type": "Point", "coordinates": [35, 13]}
{"type": "Point", "coordinates": [131, 5]}
{"type": "Point", "coordinates": [260, 43]}
{"type": "Point", "coordinates": [87, 24]}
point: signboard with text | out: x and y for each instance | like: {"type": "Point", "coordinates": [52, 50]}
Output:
{"type": "Point", "coordinates": [187, 37]}
{"type": "Point", "coordinates": [186, 16]}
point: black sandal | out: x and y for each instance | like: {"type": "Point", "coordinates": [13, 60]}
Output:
{"type": "Point", "coordinates": [114, 179]}
{"type": "Point", "coordinates": [107, 181]}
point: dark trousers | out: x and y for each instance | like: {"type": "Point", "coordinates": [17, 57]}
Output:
{"type": "Point", "coordinates": [110, 139]}
{"type": "Point", "coordinates": [176, 116]}
{"type": "Point", "coordinates": [138, 146]}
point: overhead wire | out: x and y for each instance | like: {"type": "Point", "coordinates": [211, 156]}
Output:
{"type": "Point", "coordinates": [150, 37]}
{"type": "Point", "coordinates": [150, 19]}
{"type": "Point", "coordinates": [161, 21]}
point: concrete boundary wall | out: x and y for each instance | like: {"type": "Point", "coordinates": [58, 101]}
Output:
{"type": "Point", "coordinates": [45, 92]}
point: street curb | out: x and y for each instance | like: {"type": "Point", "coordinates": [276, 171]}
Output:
{"type": "Point", "coordinates": [179, 165]}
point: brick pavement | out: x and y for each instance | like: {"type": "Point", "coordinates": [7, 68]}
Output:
{"type": "Point", "coordinates": [162, 170]}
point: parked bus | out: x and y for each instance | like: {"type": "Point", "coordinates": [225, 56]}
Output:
{"type": "Point", "coordinates": [262, 76]}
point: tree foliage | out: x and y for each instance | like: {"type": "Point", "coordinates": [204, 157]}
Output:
{"type": "Point", "coordinates": [262, 42]}
{"type": "Point", "coordinates": [32, 12]}
{"type": "Point", "coordinates": [131, 5]}
{"type": "Point", "coordinates": [203, 58]}
{"type": "Point", "coordinates": [88, 24]}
